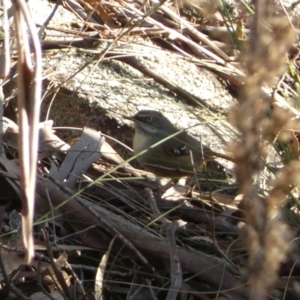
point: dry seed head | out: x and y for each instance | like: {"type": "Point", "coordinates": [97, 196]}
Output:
{"type": "Point", "coordinates": [280, 119]}
{"type": "Point", "coordinates": [267, 56]}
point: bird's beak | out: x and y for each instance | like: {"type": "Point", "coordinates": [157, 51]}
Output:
{"type": "Point", "coordinates": [132, 118]}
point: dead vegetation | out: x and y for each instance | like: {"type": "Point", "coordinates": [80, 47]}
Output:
{"type": "Point", "coordinates": [93, 226]}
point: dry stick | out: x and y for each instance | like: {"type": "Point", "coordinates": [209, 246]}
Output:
{"type": "Point", "coordinates": [99, 13]}
{"type": "Point", "coordinates": [194, 168]}
{"type": "Point", "coordinates": [201, 50]}
{"type": "Point", "coordinates": [92, 34]}
{"type": "Point", "coordinates": [39, 279]}
{"type": "Point", "coordinates": [43, 27]}
{"type": "Point", "coordinates": [66, 6]}
{"type": "Point", "coordinates": [123, 33]}
{"type": "Point", "coordinates": [215, 241]}
{"type": "Point", "coordinates": [191, 30]}
{"type": "Point", "coordinates": [4, 68]}
{"type": "Point", "coordinates": [223, 71]}
{"type": "Point", "coordinates": [152, 202]}
{"type": "Point", "coordinates": [287, 15]}
{"type": "Point", "coordinates": [176, 271]}
{"type": "Point", "coordinates": [69, 31]}
{"type": "Point", "coordinates": [182, 93]}
{"type": "Point", "coordinates": [132, 293]}
{"type": "Point", "coordinates": [57, 272]}
{"type": "Point", "coordinates": [141, 239]}
{"type": "Point", "coordinates": [123, 199]}
{"type": "Point", "coordinates": [135, 63]}
{"type": "Point", "coordinates": [78, 10]}
{"type": "Point", "coordinates": [76, 233]}
{"type": "Point", "coordinates": [7, 280]}
{"type": "Point", "coordinates": [283, 77]}
{"type": "Point", "coordinates": [126, 242]}
{"type": "Point", "coordinates": [88, 268]}
{"type": "Point", "coordinates": [41, 286]}
{"type": "Point", "coordinates": [52, 218]}
{"type": "Point", "coordinates": [79, 283]}
{"type": "Point", "coordinates": [280, 101]}
{"type": "Point", "coordinates": [2, 212]}
{"type": "Point", "coordinates": [154, 297]}
{"type": "Point", "coordinates": [183, 210]}
{"type": "Point", "coordinates": [2, 150]}
{"type": "Point", "coordinates": [49, 87]}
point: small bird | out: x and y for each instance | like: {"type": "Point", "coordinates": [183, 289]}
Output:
{"type": "Point", "coordinates": [169, 151]}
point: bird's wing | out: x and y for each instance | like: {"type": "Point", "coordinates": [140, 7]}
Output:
{"type": "Point", "coordinates": [176, 149]}
{"type": "Point", "coordinates": [175, 146]}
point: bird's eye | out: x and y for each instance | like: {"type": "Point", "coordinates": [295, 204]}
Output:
{"type": "Point", "coordinates": [149, 119]}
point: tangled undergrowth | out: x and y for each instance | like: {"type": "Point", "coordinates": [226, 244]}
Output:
{"type": "Point", "coordinates": [93, 226]}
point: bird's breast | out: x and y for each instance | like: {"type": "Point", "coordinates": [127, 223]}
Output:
{"type": "Point", "coordinates": [140, 142]}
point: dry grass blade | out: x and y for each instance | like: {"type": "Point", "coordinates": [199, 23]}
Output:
{"type": "Point", "coordinates": [99, 280]}
{"type": "Point", "coordinates": [4, 67]}
{"type": "Point", "coordinates": [5, 55]}
{"type": "Point", "coordinates": [29, 84]}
